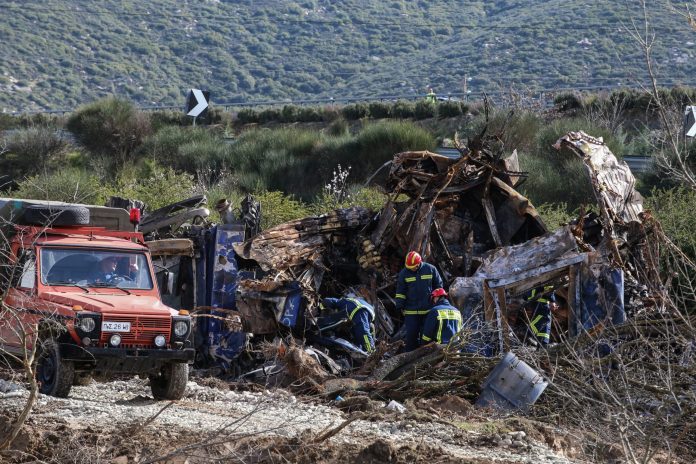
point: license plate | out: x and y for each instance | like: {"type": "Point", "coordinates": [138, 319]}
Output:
{"type": "Point", "coordinates": [108, 326]}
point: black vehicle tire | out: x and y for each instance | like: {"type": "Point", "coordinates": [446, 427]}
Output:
{"type": "Point", "coordinates": [170, 383]}
{"type": "Point", "coordinates": [56, 215]}
{"type": "Point", "coordinates": [54, 374]}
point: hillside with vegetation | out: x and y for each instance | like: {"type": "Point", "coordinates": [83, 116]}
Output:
{"type": "Point", "coordinates": [60, 54]}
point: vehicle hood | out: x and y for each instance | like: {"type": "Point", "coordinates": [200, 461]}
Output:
{"type": "Point", "coordinates": [112, 303]}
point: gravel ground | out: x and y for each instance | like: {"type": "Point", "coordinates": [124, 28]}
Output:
{"type": "Point", "coordinates": [207, 412]}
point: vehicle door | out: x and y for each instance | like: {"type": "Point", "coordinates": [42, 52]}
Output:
{"type": "Point", "coordinates": [19, 316]}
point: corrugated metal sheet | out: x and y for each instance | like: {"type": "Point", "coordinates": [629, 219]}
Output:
{"type": "Point", "coordinates": [612, 180]}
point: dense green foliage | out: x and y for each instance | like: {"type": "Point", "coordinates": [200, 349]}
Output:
{"type": "Point", "coordinates": [297, 169]}
{"type": "Point", "coordinates": [61, 54]}
{"type": "Point", "coordinates": [111, 127]}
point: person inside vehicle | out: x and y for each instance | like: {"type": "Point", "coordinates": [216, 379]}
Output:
{"type": "Point", "coordinates": [106, 270]}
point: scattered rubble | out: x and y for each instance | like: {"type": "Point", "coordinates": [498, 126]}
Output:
{"type": "Point", "coordinates": [116, 420]}
{"type": "Point", "coordinates": [255, 298]}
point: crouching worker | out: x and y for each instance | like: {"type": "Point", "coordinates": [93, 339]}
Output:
{"type": "Point", "coordinates": [443, 321]}
{"type": "Point", "coordinates": [360, 313]}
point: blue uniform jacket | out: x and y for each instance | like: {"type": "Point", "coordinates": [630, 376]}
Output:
{"type": "Point", "coordinates": [540, 325]}
{"type": "Point", "coordinates": [361, 314]}
{"type": "Point", "coordinates": [413, 289]}
{"type": "Point", "coordinates": [441, 323]}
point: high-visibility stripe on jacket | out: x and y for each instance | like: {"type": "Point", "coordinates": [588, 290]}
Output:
{"type": "Point", "coordinates": [540, 324]}
{"type": "Point", "coordinates": [361, 314]}
{"type": "Point", "coordinates": [413, 289]}
{"type": "Point", "coordinates": [442, 323]}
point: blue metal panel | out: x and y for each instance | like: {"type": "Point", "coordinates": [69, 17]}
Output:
{"type": "Point", "coordinates": [293, 304]}
{"type": "Point", "coordinates": [222, 279]}
{"type": "Point", "coordinates": [603, 298]}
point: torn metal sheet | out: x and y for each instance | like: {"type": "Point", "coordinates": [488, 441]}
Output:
{"type": "Point", "coordinates": [300, 241]}
{"type": "Point", "coordinates": [612, 180]}
{"type": "Point", "coordinates": [532, 254]}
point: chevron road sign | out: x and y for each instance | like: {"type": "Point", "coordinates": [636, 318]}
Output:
{"type": "Point", "coordinates": [197, 103]}
{"type": "Point", "coordinates": [690, 121]}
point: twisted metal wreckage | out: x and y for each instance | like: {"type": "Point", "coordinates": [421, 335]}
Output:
{"type": "Point", "coordinates": [463, 215]}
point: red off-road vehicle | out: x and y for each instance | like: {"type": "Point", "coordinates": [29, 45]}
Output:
{"type": "Point", "coordinates": [88, 296]}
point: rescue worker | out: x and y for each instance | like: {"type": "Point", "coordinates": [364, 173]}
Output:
{"type": "Point", "coordinates": [431, 96]}
{"type": "Point", "coordinates": [543, 300]}
{"type": "Point", "coordinates": [356, 310]}
{"type": "Point", "coordinates": [413, 287]}
{"type": "Point", "coordinates": [443, 321]}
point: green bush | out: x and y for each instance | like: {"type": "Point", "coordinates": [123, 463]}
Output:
{"type": "Point", "coordinates": [449, 109]}
{"type": "Point", "coordinates": [377, 144]}
{"type": "Point", "coordinates": [563, 181]}
{"type": "Point", "coordinates": [248, 116]}
{"type": "Point", "coordinates": [355, 111]}
{"type": "Point", "coordinates": [289, 113]}
{"type": "Point", "coordinates": [675, 210]}
{"type": "Point", "coordinates": [277, 208]}
{"type": "Point", "coordinates": [160, 119]}
{"type": "Point", "coordinates": [41, 119]}
{"type": "Point", "coordinates": [186, 148]}
{"type": "Point", "coordinates": [309, 114]}
{"type": "Point", "coordinates": [68, 185]}
{"type": "Point", "coordinates": [7, 121]}
{"type": "Point", "coordinates": [367, 197]}
{"type": "Point", "coordinates": [278, 159]}
{"type": "Point", "coordinates": [330, 113]}
{"type": "Point", "coordinates": [29, 151]}
{"type": "Point", "coordinates": [338, 128]}
{"type": "Point", "coordinates": [424, 109]}
{"type": "Point", "coordinates": [555, 214]}
{"type": "Point", "coordinates": [568, 101]}
{"type": "Point", "coordinates": [403, 110]}
{"type": "Point", "coordinates": [155, 185]}
{"type": "Point", "coordinates": [112, 127]}
{"type": "Point", "coordinates": [518, 131]}
{"type": "Point", "coordinates": [284, 159]}
{"type": "Point", "coordinates": [269, 115]}
{"type": "Point", "coordinates": [380, 110]}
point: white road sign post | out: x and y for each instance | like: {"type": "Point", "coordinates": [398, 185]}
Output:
{"type": "Point", "coordinates": [197, 103]}
{"type": "Point", "coordinates": [690, 121]}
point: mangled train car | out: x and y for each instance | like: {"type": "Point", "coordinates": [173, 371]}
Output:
{"type": "Point", "coordinates": [462, 214]}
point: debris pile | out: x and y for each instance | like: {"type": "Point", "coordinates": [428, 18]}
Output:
{"type": "Point", "coordinates": [464, 216]}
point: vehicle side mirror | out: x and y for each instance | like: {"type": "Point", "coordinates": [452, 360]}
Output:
{"type": "Point", "coordinates": [167, 287]}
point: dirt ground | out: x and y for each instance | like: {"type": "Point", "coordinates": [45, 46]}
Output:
{"type": "Point", "coordinates": [119, 422]}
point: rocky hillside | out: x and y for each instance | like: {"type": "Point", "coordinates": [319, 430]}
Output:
{"type": "Point", "coordinates": [59, 54]}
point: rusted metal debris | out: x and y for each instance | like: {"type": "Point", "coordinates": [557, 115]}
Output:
{"type": "Point", "coordinates": [465, 216]}
{"type": "Point", "coordinates": [457, 209]}
{"type": "Point", "coordinates": [302, 241]}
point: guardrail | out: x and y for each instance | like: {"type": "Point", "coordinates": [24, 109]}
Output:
{"type": "Point", "coordinates": [544, 97]}
{"type": "Point", "coordinates": [638, 164]}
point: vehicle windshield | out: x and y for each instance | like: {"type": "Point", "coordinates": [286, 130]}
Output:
{"type": "Point", "coordinates": [95, 268]}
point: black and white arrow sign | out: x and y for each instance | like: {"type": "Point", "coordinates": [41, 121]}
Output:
{"type": "Point", "coordinates": [690, 121]}
{"type": "Point", "coordinates": [197, 102]}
